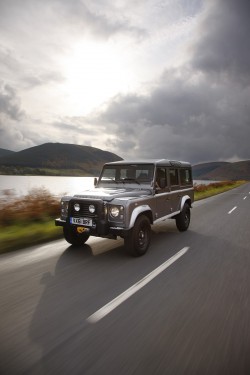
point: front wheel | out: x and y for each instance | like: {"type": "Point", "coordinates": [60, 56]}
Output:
{"type": "Point", "coordinates": [74, 236]}
{"type": "Point", "coordinates": [183, 218]}
{"type": "Point", "coordinates": [139, 237]}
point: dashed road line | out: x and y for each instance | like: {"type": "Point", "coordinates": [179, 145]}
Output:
{"type": "Point", "coordinates": [245, 197]}
{"type": "Point", "coordinates": [109, 307]}
{"type": "Point", "coordinates": [229, 212]}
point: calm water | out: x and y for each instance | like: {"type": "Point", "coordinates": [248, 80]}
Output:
{"type": "Point", "coordinates": [21, 185]}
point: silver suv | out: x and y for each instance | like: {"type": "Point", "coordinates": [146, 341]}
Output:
{"type": "Point", "coordinates": [127, 199]}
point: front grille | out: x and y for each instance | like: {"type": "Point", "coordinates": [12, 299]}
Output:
{"type": "Point", "coordinates": [84, 208]}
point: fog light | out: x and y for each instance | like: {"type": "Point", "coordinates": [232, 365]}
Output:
{"type": "Point", "coordinates": [91, 208]}
{"type": "Point", "coordinates": [77, 207]}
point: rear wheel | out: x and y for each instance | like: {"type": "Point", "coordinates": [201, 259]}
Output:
{"type": "Point", "coordinates": [75, 235]}
{"type": "Point", "coordinates": [183, 218]}
{"type": "Point", "coordinates": [139, 237]}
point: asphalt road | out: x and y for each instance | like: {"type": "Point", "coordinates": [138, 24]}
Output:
{"type": "Point", "coordinates": [96, 310]}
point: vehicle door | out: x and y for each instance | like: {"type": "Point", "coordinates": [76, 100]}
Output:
{"type": "Point", "coordinates": [174, 184]}
{"type": "Point", "coordinates": [162, 202]}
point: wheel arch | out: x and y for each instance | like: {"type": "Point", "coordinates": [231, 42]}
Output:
{"type": "Point", "coordinates": [138, 211]}
{"type": "Point", "coordinates": [186, 199]}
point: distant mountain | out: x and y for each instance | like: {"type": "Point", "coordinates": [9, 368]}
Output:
{"type": "Point", "coordinates": [57, 158]}
{"type": "Point", "coordinates": [201, 170]}
{"type": "Point", "coordinates": [222, 171]}
{"type": "Point", "coordinates": [4, 152]}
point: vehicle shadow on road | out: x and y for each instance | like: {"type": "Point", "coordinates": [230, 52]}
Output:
{"type": "Point", "coordinates": [196, 285]}
{"type": "Point", "coordinates": [66, 301]}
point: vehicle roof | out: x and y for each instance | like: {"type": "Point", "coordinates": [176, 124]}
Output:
{"type": "Point", "coordinates": [156, 162]}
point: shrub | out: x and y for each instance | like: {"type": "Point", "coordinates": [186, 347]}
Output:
{"type": "Point", "coordinates": [213, 185]}
{"type": "Point", "coordinates": [37, 205]}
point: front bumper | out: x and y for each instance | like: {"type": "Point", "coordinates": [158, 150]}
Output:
{"type": "Point", "coordinates": [59, 222]}
{"type": "Point", "coordinates": [102, 230]}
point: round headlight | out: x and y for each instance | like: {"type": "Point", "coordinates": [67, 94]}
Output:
{"type": "Point", "coordinates": [92, 208]}
{"type": "Point", "coordinates": [77, 207]}
{"type": "Point", "coordinates": [114, 211]}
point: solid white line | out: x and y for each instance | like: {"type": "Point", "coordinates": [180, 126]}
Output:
{"type": "Point", "coordinates": [232, 210]}
{"type": "Point", "coordinates": [105, 310]}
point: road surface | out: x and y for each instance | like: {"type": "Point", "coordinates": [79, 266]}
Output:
{"type": "Point", "coordinates": [183, 308]}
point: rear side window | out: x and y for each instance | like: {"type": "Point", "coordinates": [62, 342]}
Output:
{"type": "Point", "coordinates": [173, 174]}
{"type": "Point", "coordinates": [185, 176]}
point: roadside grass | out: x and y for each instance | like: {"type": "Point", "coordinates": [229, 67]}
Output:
{"type": "Point", "coordinates": [29, 220]}
{"type": "Point", "coordinates": [205, 191]}
{"type": "Point", "coordinates": [20, 235]}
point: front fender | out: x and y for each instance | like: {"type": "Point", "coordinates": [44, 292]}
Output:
{"type": "Point", "coordinates": [138, 211]}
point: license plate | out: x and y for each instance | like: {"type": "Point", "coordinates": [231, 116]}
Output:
{"type": "Point", "coordinates": [81, 221]}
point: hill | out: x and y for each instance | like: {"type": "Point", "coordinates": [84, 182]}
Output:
{"type": "Point", "coordinates": [4, 152]}
{"type": "Point", "coordinates": [200, 170]}
{"type": "Point", "coordinates": [222, 171]}
{"type": "Point", "coordinates": [57, 159]}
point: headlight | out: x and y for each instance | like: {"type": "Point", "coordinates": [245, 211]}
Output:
{"type": "Point", "coordinates": [116, 211]}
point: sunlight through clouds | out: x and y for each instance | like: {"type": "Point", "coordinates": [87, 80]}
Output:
{"type": "Point", "coordinates": [139, 78]}
{"type": "Point", "coordinates": [94, 71]}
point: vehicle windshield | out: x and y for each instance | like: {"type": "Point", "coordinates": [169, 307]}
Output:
{"type": "Point", "coordinates": [129, 173]}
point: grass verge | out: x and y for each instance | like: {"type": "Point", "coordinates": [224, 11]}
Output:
{"type": "Point", "coordinates": [21, 228]}
{"type": "Point", "coordinates": [18, 236]}
{"type": "Point", "coordinates": [206, 191]}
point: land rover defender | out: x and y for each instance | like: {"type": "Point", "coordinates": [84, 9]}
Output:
{"type": "Point", "coordinates": [129, 197]}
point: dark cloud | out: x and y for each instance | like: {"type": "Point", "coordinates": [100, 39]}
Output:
{"type": "Point", "coordinates": [11, 116]}
{"type": "Point", "coordinates": [9, 103]}
{"type": "Point", "coordinates": [191, 122]}
{"type": "Point", "coordinates": [199, 112]}
{"type": "Point", "coordinates": [224, 44]}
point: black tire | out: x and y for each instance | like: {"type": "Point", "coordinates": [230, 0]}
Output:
{"type": "Point", "coordinates": [183, 218]}
{"type": "Point", "coordinates": [73, 237]}
{"type": "Point", "coordinates": [139, 237]}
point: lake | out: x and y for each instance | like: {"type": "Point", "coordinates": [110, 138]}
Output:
{"type": "Point", "coordinates": [21, 185]}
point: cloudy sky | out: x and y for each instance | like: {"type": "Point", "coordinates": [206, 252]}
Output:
{"type": "Point", "coordinates": [140, 78]}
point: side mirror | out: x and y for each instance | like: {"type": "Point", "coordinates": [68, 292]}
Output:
{"type": "Point", "coordinates": [95, 181]}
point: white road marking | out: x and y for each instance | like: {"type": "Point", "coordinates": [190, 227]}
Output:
{"type": "Point", "coordinates": [105, 310]}
{"type": "Point", "coordinates": [229, 212]}
{"type": "Point", "coordinates": [245, 197]}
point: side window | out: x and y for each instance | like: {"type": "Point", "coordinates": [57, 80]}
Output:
{"type": "Point", "coordinates": [173, 176]}
{"type": "Point", "coordinates": [161, 179]}
{"type": "Point", "coordinates": [185, 175]}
